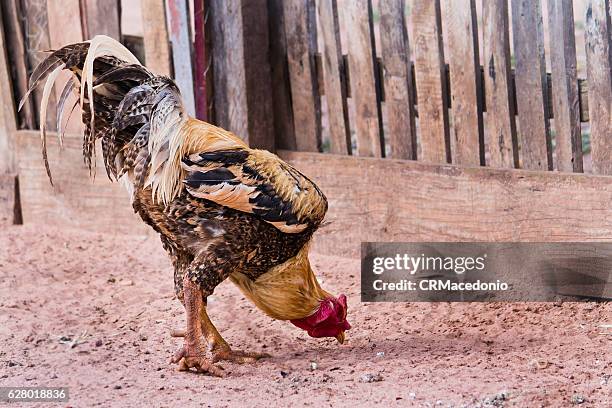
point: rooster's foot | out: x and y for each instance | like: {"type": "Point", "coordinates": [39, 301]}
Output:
{"type": "Point", "coordinates": [237, 356]}
{"type": "Point", "coordinates": [190, 357]}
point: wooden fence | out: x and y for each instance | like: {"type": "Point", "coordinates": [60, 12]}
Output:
{"type": "Point", "coordinates": [448, 105]}
{"type": "Point", "coordinates": [411, 101]}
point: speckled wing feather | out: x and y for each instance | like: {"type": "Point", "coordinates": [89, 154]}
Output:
{"type": "Point", "coordinates": [256, 182]}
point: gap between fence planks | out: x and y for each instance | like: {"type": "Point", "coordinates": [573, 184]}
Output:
{"type": "Point", "coordinates": [465, 82]}
{"type": "Point", "coordinates": [156, 41]}
{"type": "Point", "coordinates": [597, 33]}
{"type": "Point", "coordinates": [398, 80]}
{"type": "Point", "coordinates": [430, 81]}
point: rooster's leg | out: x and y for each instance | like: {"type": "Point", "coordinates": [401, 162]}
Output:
{"type": "Point", "coordinates": [220, 349]}
{"type": "Point", "coordinates": [192, 355]}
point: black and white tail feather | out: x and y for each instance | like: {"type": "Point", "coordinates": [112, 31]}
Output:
{"type": "Point", "coordinates": [136, 115]}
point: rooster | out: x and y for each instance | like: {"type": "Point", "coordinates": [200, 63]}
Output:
{"type": "Point", "coordinates": [222, 209]}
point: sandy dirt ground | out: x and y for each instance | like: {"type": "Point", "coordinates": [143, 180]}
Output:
{"type": "Point", "coordinates": [93, 312]}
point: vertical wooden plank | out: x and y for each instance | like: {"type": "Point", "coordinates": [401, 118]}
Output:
{"type": "Point", "coordinates": [531, 85]}
{"type": "Point", "coordinates": [64, 22]}
{"type": "Point", "coordinates": [430, 81]}
{"type": "Point", "coordinates": [9, 200]}
{"type": "Point", "coordinates": [281, 91]}
{"type": "Point", "coordinates": [230, 98]}
{"type": "Point", "coordinates": [501, 126]}
{"type": "Point", "coordinates": [8, 122]}
{"type": "Point", "coordinates": [344, 76]}
{"type": "Point", "coordinates": [155, 31]}
{"type": "Point", "coordinates": [201, 59]}
{"type": "Point", "coordinates": [397, 80]}
{"type": "Point", "coordinates": [37, 41]}
{"type": "Point", "coordinates": [65, 28]}
{"type": "Point", "coordinates": [566, 106]}
{"type": "Point", "coordinates": [597, 32]}
{"type": "Point", "coordinates": [18, 60]}
{"type": "Point", "coordinates": [180, 37]}
{"type": "Point", "coordinates": [102, 17]}
{"type": "Point", "coordinates": [301, 73]}
{"type": "Point", "coordinates": [361, 66]}
{"type": "Point", "coordinates": [257, 74]}
{"type": "Point", "coordinates": [338, 125]}
{"type": "Point", "coordinates": [464, 63]}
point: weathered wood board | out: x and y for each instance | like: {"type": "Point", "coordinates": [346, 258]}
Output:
{"type": "Point", "coordinates": [258, 77]}
{"type": "Point", "coordinates": [566, 106]}
{"type": "Point", "coordinates": [398, 80]}
{"type": "Point", "coordinates": [300, 59]}
{"type": "Point", "coordinates": [76, 199]}
{"type": "Point", "coordinates": [230, 99]}
{"type": "Point", "coordinates": [8, 122]}
{"type": "Point", "coordinates": [281, 100]}
{"type": "Point", "coordinates": [37, 40]}
{"type": "Point", "coordinates": [501, 126]}
{"type": "Point", "coordinates": [339, 130]}
{"type": "Point", "coordinates": [16, 53]}
{"type": "Point", "coordinates": [465, 82]}
{"type": "Point", "coordinates": [63, 29]}
{"type": "Point", "coordinates": [531, 85]}
{"type": "Point", "coordinates": [180, 37]}
{"type": "Point", "coordinates": [395, 200]}
{"type": "Point", "coordinates": [599, 74]}
{"type": "Point", "coordinates": [201, 60]}
{"type": "Point", "coordinates": [102, 17]}
{"type": "Point", "coordinates": [157, 44]}
{"type": "Point", "coordinates": [363, 87]}
{"type": "Point", "coordinates": [430, 81]}
{"type": "Point", "coordinates": [389, 200]}
{"type": "Point", "coordinates": [7, 199]}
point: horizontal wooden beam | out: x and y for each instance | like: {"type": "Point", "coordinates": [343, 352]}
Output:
{"type": "Point", "coordinates": [370, 199]}
{"type": "Point", "coordinates": [395, 200]}
{"type": "Point", "coordinates": [76, 200]}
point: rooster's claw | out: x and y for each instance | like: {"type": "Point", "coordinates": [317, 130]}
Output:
{"type": "Point", "coordinates": [199, 362]}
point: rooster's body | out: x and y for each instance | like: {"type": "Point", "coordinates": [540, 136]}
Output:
{"type": "Point", "coordinates": [222, 209]}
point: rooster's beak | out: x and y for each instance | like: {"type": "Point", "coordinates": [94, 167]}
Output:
{"type": "Point", "coordinates": [340, 337]}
